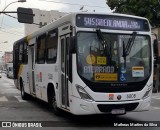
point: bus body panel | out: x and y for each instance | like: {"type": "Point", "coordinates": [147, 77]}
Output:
{"type": "Point", "coordinates": [25, 78]}
{"type": "Point", "coordinates": [43, 78]}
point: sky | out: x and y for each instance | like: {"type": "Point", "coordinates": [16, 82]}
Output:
{"type": "Point", "coordinates": [11, 30]}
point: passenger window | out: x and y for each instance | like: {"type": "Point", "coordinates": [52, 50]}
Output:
{"type": "Point", "coordinates": [41, 49]}
{"type": "Point", "coordinates": [51, 46]}
{"type": "Point", "coordinates": [20, 53]}
{"type": "Point", "coordinates": [25, 54]}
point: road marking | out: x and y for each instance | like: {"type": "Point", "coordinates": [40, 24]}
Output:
{"type": "Point", "coordinates": [20, 99]}
{"type": "Point", "coordinates": [10, 81]}
{"type": "Point", "coordinates": [9, 92]}
{"type": "Point", "coordinates": [3, 99]}
{"type": "Point", "coordinates": [155, 97]}
{"type": "Point", "coordinates": [7, 85]}
{"type": "Point", "coordinates": [157, 108]}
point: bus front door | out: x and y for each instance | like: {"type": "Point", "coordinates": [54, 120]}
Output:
{"type": "Point", "coordinates": [65, 71]}
{"type": "Point", "coordinates": [31, 70]}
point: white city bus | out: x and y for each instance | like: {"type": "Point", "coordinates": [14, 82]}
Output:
{"type": "Point", "coordinates": [88, 63]}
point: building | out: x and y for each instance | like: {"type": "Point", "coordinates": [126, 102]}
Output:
{"type": "Point", "coordinates": [8, 57]}
{"type": "Point", "coordinates": [42, 18]}
{"type": "Point", "coordinates": [1, 60]}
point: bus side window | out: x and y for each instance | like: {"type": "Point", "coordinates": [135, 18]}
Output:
{"type": "Point", "coordinates": [25, 53]}
{"type": "Point", "coordinates": [21, 53]}
{"type": "Point", "coordinates": [41, 49]}
{"type": "Point", "coordinates": [15, 60]}
{"type": "Point", "coordinates": [51, 46]}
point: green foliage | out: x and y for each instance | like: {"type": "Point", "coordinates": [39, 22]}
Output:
{"type": "Point", "coordinates": [144, 8]}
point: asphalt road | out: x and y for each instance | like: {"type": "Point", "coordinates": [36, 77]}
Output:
{"type": "Point", "coordinates": [13, 108]}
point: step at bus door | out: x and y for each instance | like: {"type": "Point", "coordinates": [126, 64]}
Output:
{"type": "Point", "coordinates": [65, 70]}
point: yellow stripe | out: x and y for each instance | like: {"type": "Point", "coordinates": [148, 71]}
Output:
{"type": "Point", "coordinates": [28, 39]}
{"type": "Point", "coordinates": [20, 70]}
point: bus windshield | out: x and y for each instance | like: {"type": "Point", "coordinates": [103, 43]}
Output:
{"type": "Point", "coordinates": [97, 64]}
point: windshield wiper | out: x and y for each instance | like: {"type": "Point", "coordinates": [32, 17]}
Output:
{"type": "Point", "coordinates": [129, 45]}
{"type": "Point", "coordinates": [104, 43]}
{"type": "Point", "coordinates": [127, 49]}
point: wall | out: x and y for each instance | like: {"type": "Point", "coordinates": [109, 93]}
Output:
{"type": "Point", "coordinates": [42, 18]}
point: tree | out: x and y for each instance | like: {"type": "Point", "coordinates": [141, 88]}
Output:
{"type": "Point", "coordinates": [144, 8]}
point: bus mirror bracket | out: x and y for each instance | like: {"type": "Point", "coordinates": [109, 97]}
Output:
{"type": "Point", "coordinates": [72, 47]}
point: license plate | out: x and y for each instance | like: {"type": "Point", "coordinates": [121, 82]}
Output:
{"type": "Point", "coordinates": [118, 111]}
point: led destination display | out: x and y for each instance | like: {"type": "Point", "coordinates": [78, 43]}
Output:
{"type": "Point", "coordinates": [111, 22]}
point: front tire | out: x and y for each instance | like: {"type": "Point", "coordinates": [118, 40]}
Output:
{"type": "Point", "coordinates": [53, 103]}
{"type": "Point", "coordinates": [23, 94]}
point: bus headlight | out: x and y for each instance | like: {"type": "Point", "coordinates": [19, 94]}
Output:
{"type": "Point", "coordinates": [83, 94]}
{"type": "Point", "coordinates": [147, 94]}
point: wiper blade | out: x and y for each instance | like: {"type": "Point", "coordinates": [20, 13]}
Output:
{"type": "Point", "coordinates": [127, 49]}
{"type": "Point", "coordinates": [130, 43]}
{"type": "Point", "coordinates": [124, 55]}
{"type": "Point", "coordinates": [104, 43]}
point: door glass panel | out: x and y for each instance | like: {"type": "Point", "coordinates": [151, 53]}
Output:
{"type": "Point", "coordinates": [62, 55]}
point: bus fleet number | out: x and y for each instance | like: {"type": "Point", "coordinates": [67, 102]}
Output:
{"type": "Point", "coordinates": [131, 96]}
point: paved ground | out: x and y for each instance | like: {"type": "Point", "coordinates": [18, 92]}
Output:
{"type": "Point", "coordinates": [13, 108]}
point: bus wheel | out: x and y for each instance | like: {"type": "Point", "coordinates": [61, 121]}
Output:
{"type": "Point", "coordinates": [23, 94]}
{"type": "Point", "coordinates": [53, 103]}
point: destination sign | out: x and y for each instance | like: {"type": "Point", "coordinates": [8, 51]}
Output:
{"type": "Point", "coordinates": [111, 22]}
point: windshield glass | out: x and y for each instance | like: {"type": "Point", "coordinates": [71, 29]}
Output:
{"type": "Point", "coordinates": [98, 64]}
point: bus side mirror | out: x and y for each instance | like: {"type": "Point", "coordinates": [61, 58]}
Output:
{"type": "Point", "coordinates": [155, 48]}
{"type": "Point", "coordinates": [72, 46]}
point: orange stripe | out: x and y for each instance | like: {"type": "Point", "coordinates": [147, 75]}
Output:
{"type": "Point", "coordinates": [20, 70]}
{"type": "Point", "coordinates": [28, 39]}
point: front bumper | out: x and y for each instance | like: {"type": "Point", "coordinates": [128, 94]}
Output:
{"type": "Point", "coordinates": [83, 107]}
